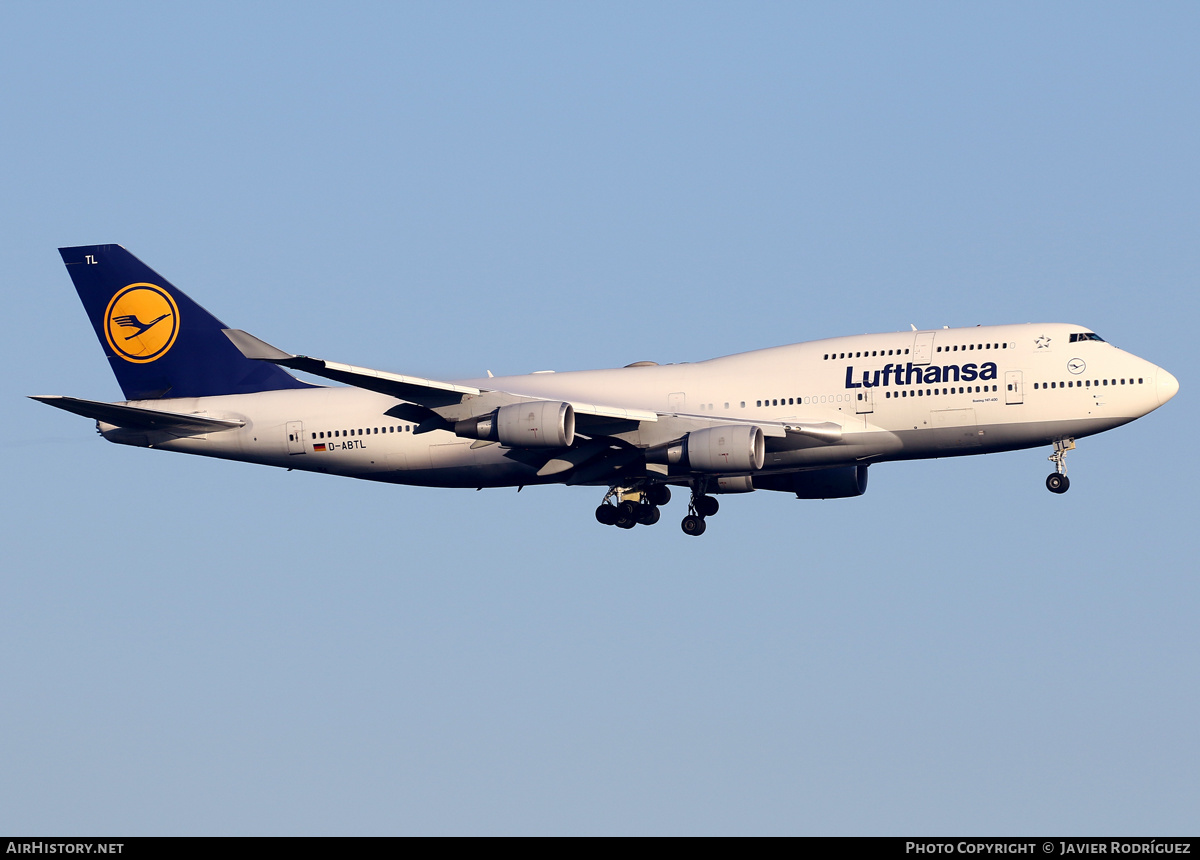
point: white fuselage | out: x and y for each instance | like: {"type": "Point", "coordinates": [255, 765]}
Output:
{"type": "Point", "coordinates": [895, 396]}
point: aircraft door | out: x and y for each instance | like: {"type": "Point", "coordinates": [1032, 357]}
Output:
{"type": "Point", "coordinates": [295, 437]}
{"type": "Point", "coordinates": [864, 400]}
{"type": "Point", "coordinates": [923, 347]}
{"type": "Point", "coordinates": [1013, 388]}
{"type": "Point", "coordinates": [676, 401]}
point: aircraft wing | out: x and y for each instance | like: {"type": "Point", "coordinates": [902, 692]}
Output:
{"type": "Point", "coordinates": [445, 403]}
{"type": "Point", "coordinates": [449, 401]}
{"type": "Point", "coordinates": [429, 393]}
{"type": "Point", "coordinates": [136, 418]}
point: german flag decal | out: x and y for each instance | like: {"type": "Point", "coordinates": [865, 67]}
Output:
{"type": "Point", "coordinates": [320, 447]}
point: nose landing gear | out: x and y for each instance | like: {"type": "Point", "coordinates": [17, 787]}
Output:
{"type": "Point", "coordinates": [1057, 481]}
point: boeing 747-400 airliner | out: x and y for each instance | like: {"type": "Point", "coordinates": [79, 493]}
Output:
{"type": "Point", "coordinates": [807, 419]}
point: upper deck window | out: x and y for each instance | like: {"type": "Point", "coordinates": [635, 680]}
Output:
{"type": "Point", "coordinates": [1085, 335]}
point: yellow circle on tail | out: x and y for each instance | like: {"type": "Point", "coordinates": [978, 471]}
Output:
{"type": "Point", "coordinates": [141, 322]}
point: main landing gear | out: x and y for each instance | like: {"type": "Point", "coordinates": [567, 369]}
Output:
{"type": "Point", "coordinates": [700, 507]}
{"type": "Point", "coordinates": [641, 507]}
{"type": "Point", "coordinates": [633, 507]}
{"type": "Point", "coordinates": [1057, 481]}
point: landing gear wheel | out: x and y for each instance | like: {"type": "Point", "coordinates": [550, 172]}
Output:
{"type": "Point", "coordinates": [706, 506]}
{"type": "Point", "coordinates": [606, 515]}
{"type": "Point", "coordinates": [658, 494]}
{"type": "Point", "coordinates": [627, 513]}
{"type": "Point", "coordinates": [693, 525]}
{"type": "Point", "coordinates": [1057, 483]}
{"type": "Point", "coordinates": [648, 515]}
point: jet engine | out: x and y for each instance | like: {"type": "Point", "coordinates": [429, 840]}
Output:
{"type": "Point", "coordinates": [536, 424]}
{"type": "Point", "coordinates": [730, 448]}
{"type": "Point", "coordinates": [839, 482]}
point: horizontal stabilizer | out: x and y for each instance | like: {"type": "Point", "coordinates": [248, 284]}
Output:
{"type": "Point", "coordinates": [135, 418]}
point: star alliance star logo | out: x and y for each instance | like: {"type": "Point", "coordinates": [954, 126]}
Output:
{"type": "Point", "coordinates": [1042, 342]}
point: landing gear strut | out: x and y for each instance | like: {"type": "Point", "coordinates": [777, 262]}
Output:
{"type": "Point", "coordinates": [1057, 481]}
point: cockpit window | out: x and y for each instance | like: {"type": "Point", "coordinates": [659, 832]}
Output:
{"type": "Point", "coordinates": [1085, 335]}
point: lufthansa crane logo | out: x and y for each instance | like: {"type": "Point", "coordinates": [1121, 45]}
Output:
{"type": "Point", "coordinates": [141, 322]}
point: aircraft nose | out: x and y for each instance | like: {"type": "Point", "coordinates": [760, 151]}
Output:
{"type": "Point", "coordinates": [1167, 385]}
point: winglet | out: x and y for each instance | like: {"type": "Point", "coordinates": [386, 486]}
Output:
{"type": "Point", "coordinates": [252, 347]}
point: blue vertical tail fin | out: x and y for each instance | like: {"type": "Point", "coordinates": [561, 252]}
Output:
{"type": "Point", "coordinates": [158, 341]}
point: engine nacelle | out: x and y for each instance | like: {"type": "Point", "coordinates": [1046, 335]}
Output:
{"type": "Point", "coordinates": [732, 484]}
{"type": "Point", "coordinates": [537, 424]}
{"type": "Point", "coordinates": [730, 448]}
{"type": "Point", "coordinates": [840, 482]}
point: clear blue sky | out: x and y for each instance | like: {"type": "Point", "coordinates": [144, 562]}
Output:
{"type": "Point", "coordinates": [192, 646]}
